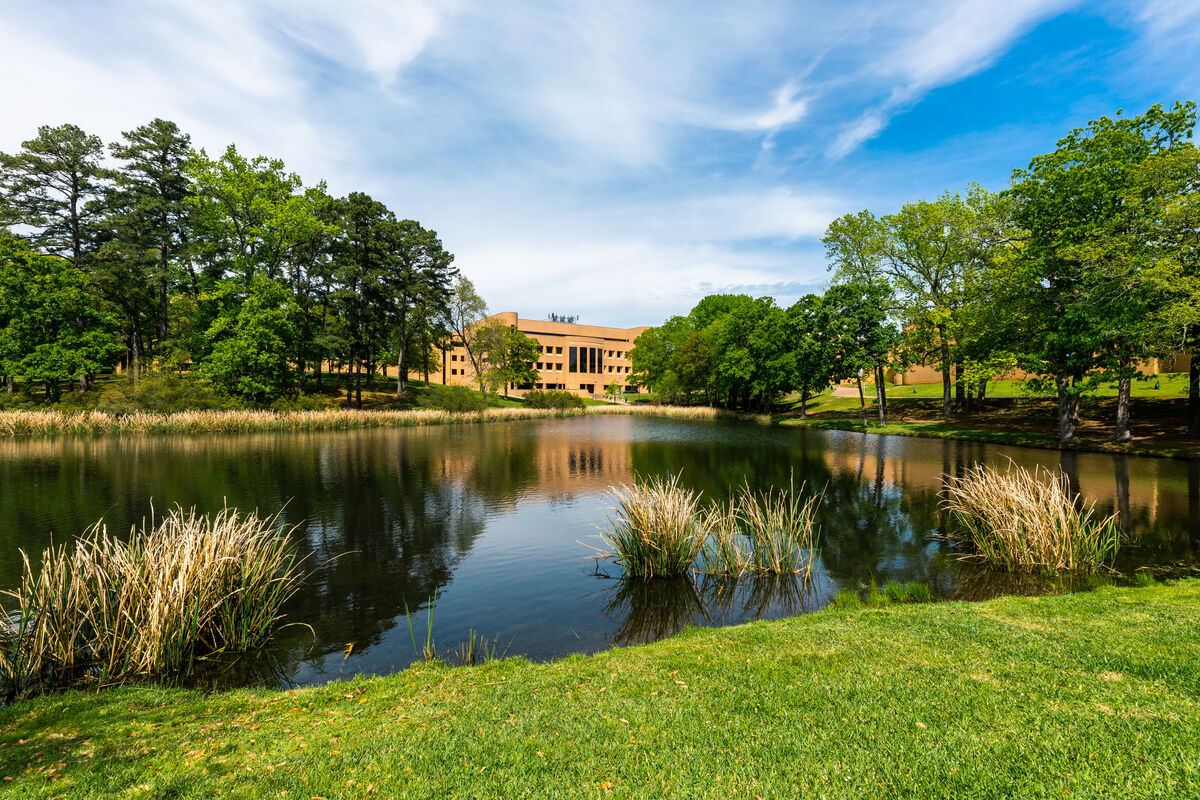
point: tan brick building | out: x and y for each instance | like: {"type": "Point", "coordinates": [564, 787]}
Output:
{"type": "Point", "coordinates": [582, 359]}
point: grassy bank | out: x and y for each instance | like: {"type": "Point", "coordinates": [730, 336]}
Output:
{"type": "Point", "coordinates": [1159, 421]}
{"type": "Point", "coordinates": [1087, 695]}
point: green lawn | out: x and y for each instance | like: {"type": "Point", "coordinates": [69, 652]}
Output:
{"type": "Point", "coordinates": [1172, 384]}
{"type": "Point", "coordinates": [1087, 695]}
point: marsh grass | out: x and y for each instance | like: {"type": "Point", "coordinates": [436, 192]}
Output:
{"type": "Point", "coordinates": [1028, 521]}
{"type": "Point", "coordinates": [187, 587]}
{"type": "Point", "coordinates": [428, 648]}
{"type": "Point", "coordinates": [478, 649]}
{"type": "Point", "coordinates": [663, 529]}
{"type": "Point", "coordinates": [55, 422]}
{"type": "Point", "coordinates": [657, 529]}
{"type": "Point", "coordinates": [770, 532]}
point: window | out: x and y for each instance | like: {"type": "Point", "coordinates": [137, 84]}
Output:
{"type": "Point", "coordinates": [558, 351]}
{"type": "Point", "coordinates": [539, 365]}
{"type": "Point", "coordinates": [574, 359]}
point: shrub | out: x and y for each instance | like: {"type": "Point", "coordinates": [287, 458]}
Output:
{"type": "Point", "coordinates": [163, 393]}
{"type": "Point", "coordinates": [457, 399]}
{"type": "Point", "coordinates": [552, 398]}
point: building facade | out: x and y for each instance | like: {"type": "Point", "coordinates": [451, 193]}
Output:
{"type": "Point", "coordinates": [582, 359]}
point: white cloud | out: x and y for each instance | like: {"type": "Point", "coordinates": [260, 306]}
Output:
{"type": "Point", "coordinates": [787, 110]}
{"type": "Point", "coordinates": [947, 43]}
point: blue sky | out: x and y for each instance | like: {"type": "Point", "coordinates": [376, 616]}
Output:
{"type": "Point", "coordinates": [614, 160]}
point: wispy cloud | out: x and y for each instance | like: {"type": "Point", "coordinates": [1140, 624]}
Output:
{"type": "Point", "coordinates": [614, 158]}
{"type": "Point", "coordinates": [945, 44]}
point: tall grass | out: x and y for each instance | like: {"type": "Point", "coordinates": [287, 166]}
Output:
{"type": "Point", "coordinates": [663, 529]}
{"type": "Point", "coordinates": [658, 528]}
{"type": "Point", "coordinates": [1029, 521]}
{"type": "Point", "coordinates": [49, 423]}
{"type": "Point", "coordinates": [771, 532]}
{"type": "Point", "coordinates": [107, 609]}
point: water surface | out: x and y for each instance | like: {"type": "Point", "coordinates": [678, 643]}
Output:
{"type": "Point", "coordinates": [494, 519]}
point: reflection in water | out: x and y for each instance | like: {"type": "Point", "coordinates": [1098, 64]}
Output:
{"type": "Point", "coordinates": [489, 517]}
{"type": "Point", "coordinates": [648, 610]}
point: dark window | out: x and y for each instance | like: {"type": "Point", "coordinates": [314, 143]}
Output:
{"type": "Point", "coordinates": [574, 360]}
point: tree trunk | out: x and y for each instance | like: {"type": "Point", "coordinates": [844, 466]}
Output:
{"type": "Point", "coordinates": [357, 385]}
{"type": "Point", "coordinates": [945, 375]}
{"type": "Point", "coordinates": [162, 309]}
{"type": "Point", "coordinates": [401, 375]}
{"type": "Point", "coordinates": [1194, 396]}
{"type": "Point", "coordinates": [1066, 409]}
{"type": "Point", "coordinates": [880, 395]}
{"type": "Point", "coordinates": [982, 390]}
{"type": "Point", "coordinates": [443, 366]}
{"type": "Point", "coordinates": [1121, 432]}
{"type": "Point", "coordinates": [862, 403]}
{"type": "Point", "coordinates": [803, 403]}
{"type": "Point", "coordinates": [8, 384]}
{"type": "Point", "coordinates": [961, 401]}
{"type": "Point", "coordinates": [135, 360]}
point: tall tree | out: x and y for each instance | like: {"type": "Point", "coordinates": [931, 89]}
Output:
{"type": "Point", "coordinates": [512, 357]}
{"type": "Point", "coordinates": [53, 330]}
{"type": "Point", "coordinates": [466, 311]}
{"type": "Point", "coordinates": [421, 275]}
{"type": "Point", "coordinates": [858, 333]}
{"type": "Point", "coordinates": [1068, 200]}
{"type": "Point", "coordinates": [50, 185]}
{"type": "Point", "coordinates": [149, 210]}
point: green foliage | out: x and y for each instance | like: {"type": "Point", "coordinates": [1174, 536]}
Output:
{"type": "Point", "coordinates": [163, 393]}
{"type": "Point", "coordinates": [453, 398]}
{"type": "Point", "coordinates": [252, 336]}
{"type": "Point", "coordinates": [847, 598]}
{"type": "Point", "coordinates": [51, 328]}
{"type": "Point", "coordinates": [552, 398]}
{"type": "Point", "coordinates": [511, 355]}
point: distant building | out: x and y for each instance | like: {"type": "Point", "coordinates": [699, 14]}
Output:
{"type": "Point", "coordinates": [582, 359]}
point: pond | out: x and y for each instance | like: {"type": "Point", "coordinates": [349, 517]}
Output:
{"type": "Point", "coordinates": [493, 519]}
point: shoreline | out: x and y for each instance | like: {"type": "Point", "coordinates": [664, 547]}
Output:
{"type": "Point", "coordinates": [29, 424]}
{"type": "Point", "coordinates": [924, 700]}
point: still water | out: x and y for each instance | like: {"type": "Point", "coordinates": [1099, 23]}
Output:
{"type": "Point", "coordinates": [494, 520]}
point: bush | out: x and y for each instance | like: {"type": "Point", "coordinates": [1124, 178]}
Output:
{"type": "Point", "coordinates": [164, 393]}
{"type": "Point", "coordinates": [456, 399]}
{"type": "Point", "coordinates": [552, 398]}
{"type": "Point", "coordinates": [303, 402]}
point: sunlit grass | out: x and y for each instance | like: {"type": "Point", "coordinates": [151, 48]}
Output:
{"type": "Point", "coordinates": [53, 422]}
{"type": "Point", "coordinates": [1028, 521]}
{"type": "Point", "coordinates": [109, 609]}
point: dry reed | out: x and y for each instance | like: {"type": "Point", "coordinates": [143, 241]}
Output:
{"type": "Point", "coordinates": [662, 529]}
{"type": "Point", "coordinates": [1028, 521]}
{"type": "Point", "coordinates": [106, 610]}
{"type": "Point", "coordinates": [769, 532]}
{"type": "Point", "coordinates": [658, 528]}
{"type": "Point", "coordinates": [50, 423]}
